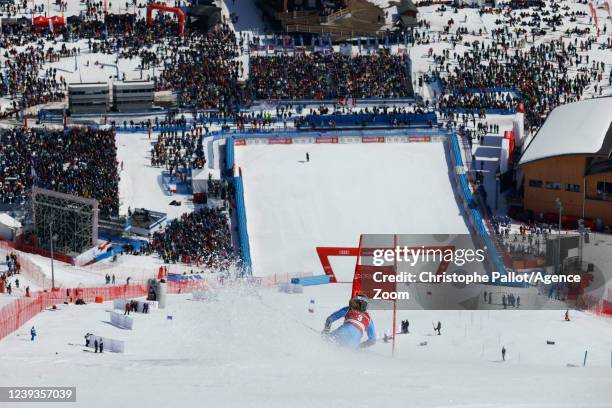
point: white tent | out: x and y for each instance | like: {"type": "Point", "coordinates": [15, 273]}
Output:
{"type": "Point", "coordinates": [9, 227]}
{"type": "Point", "coordinates": [199, 179]}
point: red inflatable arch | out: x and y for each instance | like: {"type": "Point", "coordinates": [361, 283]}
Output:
{"type": "Point", "coordinates": [162, 7]}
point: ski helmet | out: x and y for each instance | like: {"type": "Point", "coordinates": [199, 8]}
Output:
{"type": "Point", "coordinates": [359, 302]}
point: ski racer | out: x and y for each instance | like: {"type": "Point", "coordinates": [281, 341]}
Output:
{"type": "Point", "coordinates": [356, 322]}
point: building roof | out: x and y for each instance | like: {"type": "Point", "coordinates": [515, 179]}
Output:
{"type": "Point", "coordinates": [407, 5]}
{"type": "Point", "coordinates": [133, 84]}
{"type": "Point", "coordinates": [583, 127]}
{"type": "Point", "coordinates": [77, 85]}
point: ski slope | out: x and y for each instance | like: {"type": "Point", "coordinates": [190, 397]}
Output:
{"type": "Point", "coordinates": [255, 348]}
{"type": "Point", "coordinates": [344, 191]}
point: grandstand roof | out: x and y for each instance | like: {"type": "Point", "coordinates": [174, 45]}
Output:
{"type": "Point", "coordinates": [583, 127]}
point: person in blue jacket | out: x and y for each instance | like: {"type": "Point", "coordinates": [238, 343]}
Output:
{"type": "Point", "coordinates": [357, 322]}
{"type": "Point", "coordinates": [32, 333]}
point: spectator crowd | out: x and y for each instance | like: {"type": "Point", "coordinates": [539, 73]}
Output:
{"type": "Point", "coordinates": [80, 161]}
{"type": "Point", "coordinates": [202, 237]}
{"type": "Point", "coordinates": [328, 76]}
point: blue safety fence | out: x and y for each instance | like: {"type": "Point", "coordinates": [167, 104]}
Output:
{"type": "Point", "coordinates": [229, 154]}
{"type": "Point", "coordinates": [390, 119]}
{"type": "Point", "coordinates": [471, 207]}
{"type": "Point", "coordinates": [243, 234]}
{"type": "Point", "coordinates": [332, 101]}
{"type": "Point", "coordinates": [311, 280]}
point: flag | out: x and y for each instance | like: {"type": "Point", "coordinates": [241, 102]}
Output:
{"type": "Point", "coordinates": [301, 40]}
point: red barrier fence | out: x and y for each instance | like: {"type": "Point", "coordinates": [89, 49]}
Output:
{"type": "Point", "coordinates": [32, 271]}
{"type": "Point", "coordinates": [18, 312]}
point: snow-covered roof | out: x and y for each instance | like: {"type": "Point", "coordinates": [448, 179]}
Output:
{"type": "Point", "coordinates": [583, 127]}
{"type": "Point", "coordinates": [202, 174]}
{"type": "Point", "coordinates": [9, 221]}
{"type": "Point", "coordinates": [77, 85]}
{"type": "Point", "coordinates": [133, 84]}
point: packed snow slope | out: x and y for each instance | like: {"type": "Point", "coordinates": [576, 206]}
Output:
{"type": "Point", "coordinates": [345, 190]}
{"type": "Point", "coordinates": [256, 348]}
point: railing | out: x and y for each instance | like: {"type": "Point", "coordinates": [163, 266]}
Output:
{"type": "Point", "coordinates": [320, 29]}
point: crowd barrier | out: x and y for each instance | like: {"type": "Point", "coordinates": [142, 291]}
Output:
{"type": "Point", "coordinates": [408, 119]}
{"type": "Point", "coordinates": [340, 137]}
{"type": "Point", "coordinates": [278, 278]}
{"type": "Point", "coordinates": [602, 307]}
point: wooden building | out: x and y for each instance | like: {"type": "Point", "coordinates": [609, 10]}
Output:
{"type": "Point", "coordinates": [570, 158]}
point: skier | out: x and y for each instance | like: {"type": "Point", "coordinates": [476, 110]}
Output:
{"type": "Point", "coordinates": [356, 322]}
{"type": "Point", "coordinates": [96, 345]}
{"type": "Point", "coordinates": [567, 319]}
{"type": "Point", "coordinates": [503, 353]}
{"type": "Point", "coordinates": [307, 157]}
{"type": "Point", "coordinates": [438, 328]}
{"type": "Point", "coordinates": [101, 345]}
{"type": "Point", "coordinates": [32, 333]}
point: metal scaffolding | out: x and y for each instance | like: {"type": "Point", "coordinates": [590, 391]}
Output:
{"type": "Point", "coordinates": [72, 221]}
